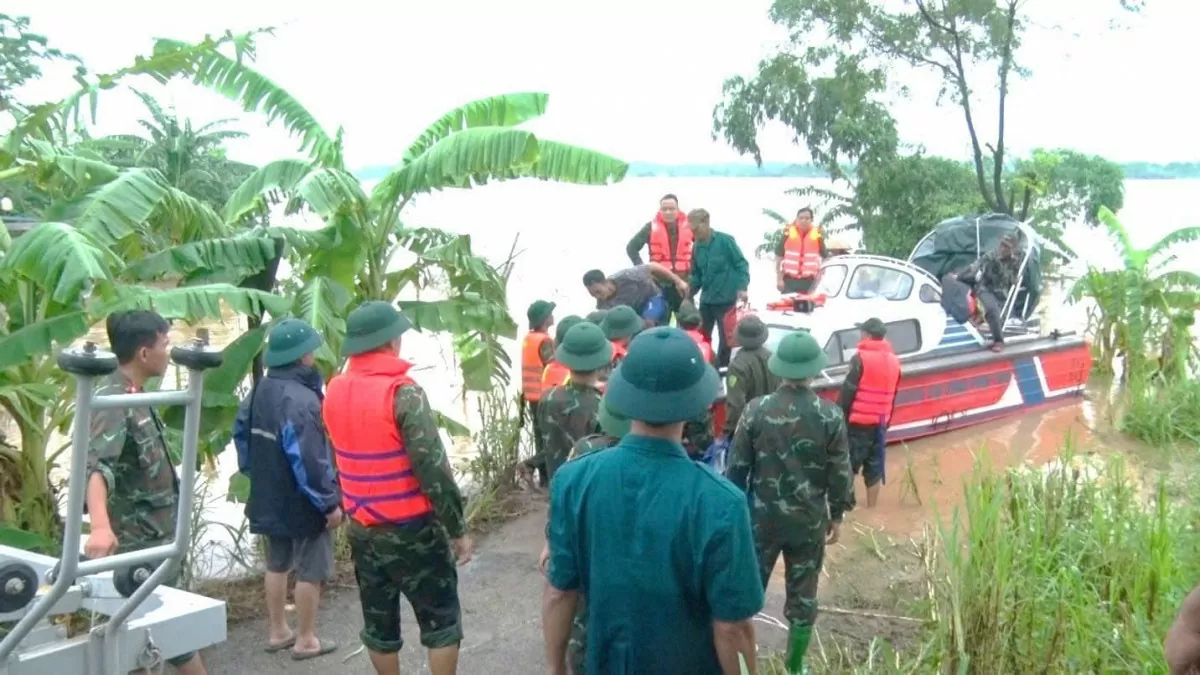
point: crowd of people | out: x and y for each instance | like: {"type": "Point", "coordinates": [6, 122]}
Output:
{"type": "Point", "coordinates": [662, 529]}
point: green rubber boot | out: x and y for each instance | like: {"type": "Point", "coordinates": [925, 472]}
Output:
{"type": "Point", "coordinates": [798, 639]}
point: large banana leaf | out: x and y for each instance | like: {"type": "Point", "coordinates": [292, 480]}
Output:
{"type": "Point", "coordinates": [344, 255]}
{"type": "Point", "coordinates": [65, 261]}
{"type": "Point", "coordinates": [572, 164]}
{"type": "Point", "coordinates": [1181, 236]}
{"type": "Point", "coordinates": [192, 303]}
{"type": "Point", "coordinates": [483, 361]}
{"type": "Point", "coordinates": [230, 259]}
{"type": "Point", "coordinates": [184, 218]}
{"type": "Point", "coordinates": [330, 191]}
{"type": "Point", "coordinates": [283, 175]}
{"type": "Point", "coordinates": [112, 211]}
{"type": "Point", "coordinates": [235, 80]}
{"type": "Point", "coordinates": [460, 315]}
{"type": "Point", "coordinates": [505, 110]}
{"type": "Point", "coordinates": [322, 304]}
{"type": "Point", "coordinates": [28, 342]}
{"type": "Point", "coordinates": [471, 155]}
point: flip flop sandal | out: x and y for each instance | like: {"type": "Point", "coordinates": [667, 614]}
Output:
{"type": "Point", "coordinates": [327, 647]}
{"type": "Point", "coordinates": [271, 649]}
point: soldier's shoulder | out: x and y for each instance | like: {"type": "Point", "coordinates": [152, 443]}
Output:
{"type": "Point", "coordinates": [113, 383]}
{"type": "Point", "coordinates": [717, 487]}
{"type": "Point", "coordinates": [410, 396]}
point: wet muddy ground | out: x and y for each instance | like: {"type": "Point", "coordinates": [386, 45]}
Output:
{"type": "Point", "coordinates": [872, 585]}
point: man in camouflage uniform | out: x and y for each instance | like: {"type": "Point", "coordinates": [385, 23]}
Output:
{"type": "Point", "coordinates": [790, 455]}
{"type": "Point", "coordinates": [698, 435]}
{"type": "Point", "coordinates": [748, 376]}
{"type": "Point", "coordinates": [613, 427]}
{"type": "Point", "coordinates": [571, 411]}
{"type": "Point", "coordinates": [413, 557]}
{"type": "Point", "coordinates": [994, 275]}
{"type": "Point", "coordinates": [133, 492]}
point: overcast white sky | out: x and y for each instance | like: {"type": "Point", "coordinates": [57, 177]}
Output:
{"type": "Point", "coordinates": [635, 78]}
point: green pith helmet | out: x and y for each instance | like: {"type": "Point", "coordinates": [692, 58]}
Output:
{"type": "Point", "coordinates": [798, 357]}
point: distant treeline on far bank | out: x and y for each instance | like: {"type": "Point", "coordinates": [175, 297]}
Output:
{"type": "Point", "coordinates": [1133, 170]}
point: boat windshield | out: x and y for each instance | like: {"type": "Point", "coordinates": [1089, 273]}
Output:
{"type": "Point", "coordinates": [832, 278]}
{"type": "Point", "coordinates": [877, 281]}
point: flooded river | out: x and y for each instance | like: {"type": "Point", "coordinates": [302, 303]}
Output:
{"type": "Point", "coordinates": [562, 231]}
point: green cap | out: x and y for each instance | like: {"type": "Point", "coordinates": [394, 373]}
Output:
{"type": "Point", "coordinates": [288, 341]}
{"type": "Point", "coordinates": [563, 326]}
{"type": "Point", "coordinates": [751, 332]}
{"type": "Point", "coordinates": [538, 312]}
{"type": "Point", "coordinates": [688, 316]}
{"type": "Point", "coordinates": [621, 322]}
{"type": "Point", "coordinates": [584, 348]}
{"type": "Point", "coordinates": [798, 357]}
{"type": "Point", "coordinates": [371, 325]}
{"type": "Point", "coordinates": [597, 317]}
{"type": "Point", "coordinates": [613, 423]}
{"type": "Point", "coordinates": [873, 327]}
{"type": "Point", "coordinates": [663, 379]}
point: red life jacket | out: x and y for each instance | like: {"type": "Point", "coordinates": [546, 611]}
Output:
{"type": "Point", "coordinates": [660, 244]}
{"type": "Point", "coordinates": [532, 367]}
{"type": "Point", "coordinates": [705, 348]}
{"type": "Point", "coordinates": [374, 470]}
{"type": "Point", "coordinates": [554, 375]}
{"type": "Point", "coordinates": [877, 388]}
{"type": "Point", "coordinates": [619, 352]}
{"type": "Point", "coordinates": [802, 253]}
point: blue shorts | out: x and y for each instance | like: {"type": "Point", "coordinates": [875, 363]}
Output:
{"type": "Point", "coordinates": [655, 309]}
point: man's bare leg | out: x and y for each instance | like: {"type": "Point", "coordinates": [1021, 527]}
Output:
{"type": "Point", "coordinates": [278, 632]}
{"type": "Point", "coordinates": [389, 664]}
{"type": "Point", "coordinates": [308, 597]}
{"type": "Point", "coordinates": [193, 667]}
{"type": "Point", "coordinates": [443, 660]}
{"type": "Point", "coordinates": [873, 495]}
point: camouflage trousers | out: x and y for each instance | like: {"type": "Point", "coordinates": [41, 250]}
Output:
{"type": "Point", "coordinates": [413, 560]}
{"type": "Point", "coordinates": [867, 448]}
{"type": "Point", "coordinates": [128, 542]}
{"type": "Point", "coordinates": [577, 646]}
{"type": "Point", "coordinates": [802, 561]}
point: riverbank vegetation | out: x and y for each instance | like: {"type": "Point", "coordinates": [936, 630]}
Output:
{"type": "Point", "coordinates": [153, 222]}
{"type": "Point", "coordinates": [867, 54]}
{"type": "Point", "coordinates": [1131, 170]}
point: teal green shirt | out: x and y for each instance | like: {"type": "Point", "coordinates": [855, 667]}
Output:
{"type": "Point", "coordinates": [661, 546]}
{"type": "Point", "coordinates": [720, 269]}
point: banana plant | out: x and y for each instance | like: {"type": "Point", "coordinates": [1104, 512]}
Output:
{"type": "Point", "coordinates": [1137, 304]}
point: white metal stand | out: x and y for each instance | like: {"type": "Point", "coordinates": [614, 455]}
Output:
{"type": "Point", "coordinates": [155, 622]}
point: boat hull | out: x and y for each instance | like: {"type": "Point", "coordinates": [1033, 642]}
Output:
{"type": "Point", "coordinates": [939, 393]}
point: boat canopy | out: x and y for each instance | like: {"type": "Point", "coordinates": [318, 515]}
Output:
{"type": "Point", "coordinates": [957, 242]}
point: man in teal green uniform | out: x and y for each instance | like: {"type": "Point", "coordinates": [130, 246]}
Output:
{"type": "Point", "coordinates": [661, 546]}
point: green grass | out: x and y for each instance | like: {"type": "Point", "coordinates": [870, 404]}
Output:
{"type": "Point", "coordinates": [1164, 414]}
{"type": "Point", "coordinates": [1044, 573]}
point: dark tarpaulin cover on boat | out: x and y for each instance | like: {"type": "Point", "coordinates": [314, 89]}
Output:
{"type": "Point", "coordinates": [957, 242]}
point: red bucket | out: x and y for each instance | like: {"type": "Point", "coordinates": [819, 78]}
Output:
{"type": "Point", "coordinates": [732, 317]}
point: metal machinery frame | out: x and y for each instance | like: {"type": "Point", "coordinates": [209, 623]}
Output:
{"type": "Point", "coordinates": [147, 622]}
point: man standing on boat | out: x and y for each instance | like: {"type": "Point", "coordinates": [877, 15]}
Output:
{"type": "Point", "coordinates": [636, 287]}
{"type": "Point", "coordinates": [406, 513]}
{"type": "Point", "coordinates": [799, 254]}
{"type": "Point", "coordinates": [721, 275]}
{"type": "Point", "coordinates": [646, 532]}
{"type": "Point", "coordinates": [671, 240]}
{"type": "Point", "coordinates": [868, 398]}
{"type": "Point", "coordinates": [790, 455]}
{"type": "Point", "coordinates": [994, 276]}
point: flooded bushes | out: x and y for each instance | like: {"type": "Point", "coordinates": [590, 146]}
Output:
{"type": "Point", "coordinates": [1070, 569]}
{"type": "Point", "coordinates": [1165, 413]}
{"type": "Point", "coordinates": [492, 471]}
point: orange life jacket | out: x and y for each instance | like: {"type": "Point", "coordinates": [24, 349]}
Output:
{"type": "Point", "coordinates": [660, 244]}
{"type": "Point", "coordinates": [619, 352]}
{"type": "Point", "coordinates": [705, 348]}
{"type": "Point", "coordinates": [554, 375]}
{"type": "Point", "coordinates": [877, 388]}
{"type": "Point", "coordinates": [374, 469]}
{"type": "Point", "coordinates": [532, 366]}
{"type": "Point", "coordinates": [802, 253]}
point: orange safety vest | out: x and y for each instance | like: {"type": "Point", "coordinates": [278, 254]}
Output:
{"type": "Point", "coordinates": [619, 352]}
{"type": "Point", "coordinates": [877, 388]}
{"type": "Point", "coordinates": [532, 366]}
{"type": "Point", "coordinates": [802, 253]}
{"type": "Point", "coordinates": [374, 470]}
{"type": "Point", "coordinates": [554, 375]}
{"type": "Point", "coordinates": [660, 244]}
{"type": "Point", "coordinates": [705, 348]}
